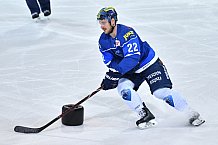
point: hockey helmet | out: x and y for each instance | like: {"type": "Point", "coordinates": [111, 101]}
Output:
{"type": "Point", "coordinates": [107, 13]}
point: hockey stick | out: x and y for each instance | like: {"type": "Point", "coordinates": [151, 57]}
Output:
{"type": "Point", "coordinates": [23, 129]}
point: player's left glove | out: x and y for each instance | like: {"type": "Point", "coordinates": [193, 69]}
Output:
{"type": "Point", "coordinates": [111, 80]}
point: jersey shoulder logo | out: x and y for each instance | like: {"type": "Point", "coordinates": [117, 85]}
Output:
{"type": "Point", "coordinates": [127, 35]}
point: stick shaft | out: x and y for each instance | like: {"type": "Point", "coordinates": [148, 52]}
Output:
{"type": "Point", "coordinates": [23, 129]}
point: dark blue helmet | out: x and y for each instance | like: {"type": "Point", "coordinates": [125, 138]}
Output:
{"type": "Point", "coordinates": [107, 13]}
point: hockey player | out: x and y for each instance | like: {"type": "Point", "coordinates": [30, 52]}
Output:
{"type": "Point", "coordinates": [131, 62]}
{"type": "Point", "coordinates": [36, 5]}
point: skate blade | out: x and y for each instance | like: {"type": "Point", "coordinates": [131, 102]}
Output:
{"type": "Point", "coordinates": [36, 20]}
{"type": "Point", "coordinates": [198, 122]}
{"type": "Point", "coordinates": [149, 124]}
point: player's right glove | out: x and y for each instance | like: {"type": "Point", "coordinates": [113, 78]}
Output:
{"type": "Point", "coordinates": [111, 80]}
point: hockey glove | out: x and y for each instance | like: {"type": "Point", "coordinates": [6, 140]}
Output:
{"type": "Point", "coordinates": [111, 80]}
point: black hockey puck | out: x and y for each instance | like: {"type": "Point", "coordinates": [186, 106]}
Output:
{"type": "Point", "coordinates": [73, 118]}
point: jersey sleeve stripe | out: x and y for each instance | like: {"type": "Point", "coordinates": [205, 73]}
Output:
{"type": "Point", "coordinates": [108, 63]}
{"type": "Point", "coordinates": [107, 49]}
{"type": "Point", "coordinates": [137, 53]}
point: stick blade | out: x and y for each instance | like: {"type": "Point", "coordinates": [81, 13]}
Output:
{"type": "Point", "coordinates": [23, 129]}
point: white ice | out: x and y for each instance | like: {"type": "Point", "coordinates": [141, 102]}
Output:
{"type": "Point", "coordinates": [48, 64]}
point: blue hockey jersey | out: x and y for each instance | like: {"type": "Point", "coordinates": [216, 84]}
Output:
{"type": "Point", "coordinates": [126, 53]}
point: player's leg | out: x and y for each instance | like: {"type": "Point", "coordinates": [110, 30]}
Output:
{"type": "Point", "coordinates": [130, 96]}
{"type": "Point", "coordinates": [34, 8]}
{"type": "Point", "coordinates": [172, 98]}
{"type": "Point", "coordinates": [160, 85]}
{"type": "Point", "coordinates": [45, 7]}
{"type": "Point", "coordinates": [177, 101]}
{"type": "Point", "coordinates": [132, 99]}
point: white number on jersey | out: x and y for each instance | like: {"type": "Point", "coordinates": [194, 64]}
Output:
{"type": "Point", "coordinates": [132, 47]}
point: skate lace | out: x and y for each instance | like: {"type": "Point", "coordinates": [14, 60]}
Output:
{"type": "Point", "coordinates": [142, 113]}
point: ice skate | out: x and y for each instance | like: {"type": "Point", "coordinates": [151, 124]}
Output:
{"type": "Point", "coordinates": [147, 118]}
{"type": "Point", "coordinates": [35, 15]}
{"type": "Point", "coordinates": [196, 119]}
{"type": "Point", "coordinates": [46, 13]}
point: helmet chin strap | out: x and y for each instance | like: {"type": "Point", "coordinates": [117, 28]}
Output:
{"type": "Point", "coordinates": [112, 29]}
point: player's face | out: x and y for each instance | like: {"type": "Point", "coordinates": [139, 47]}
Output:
{"type": "Point", "coordinates": [105, 26]}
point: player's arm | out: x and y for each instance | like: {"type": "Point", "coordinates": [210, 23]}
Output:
{"type": "Point", "coordinates": [112, 77]}
{"type": "Point", "coordinates": [107, 57]}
